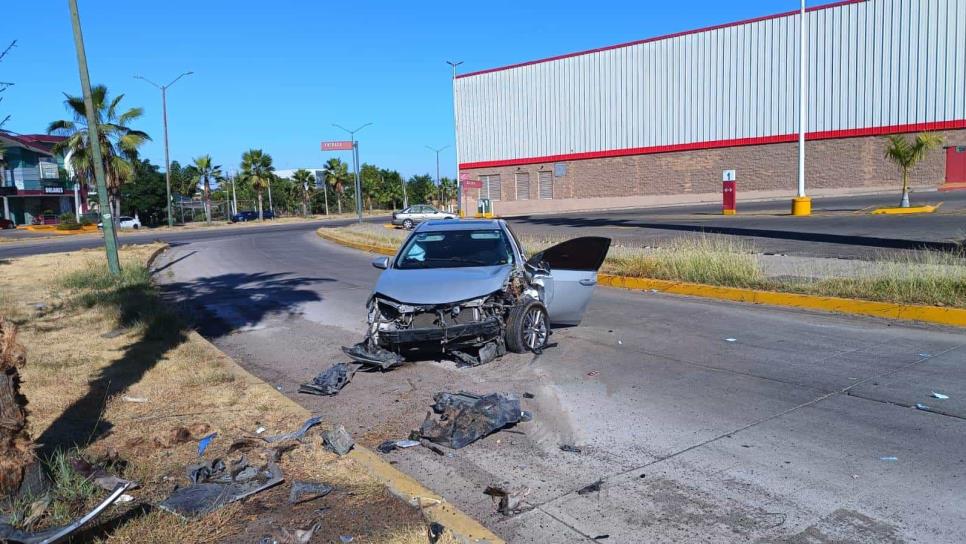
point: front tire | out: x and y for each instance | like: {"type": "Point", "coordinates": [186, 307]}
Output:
{"type": "Point", "coordinates": [408, 224]}
{"type": "Point", "coordinates": [527, 328]}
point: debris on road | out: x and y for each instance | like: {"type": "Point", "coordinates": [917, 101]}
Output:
{"type": "Point", "coordinates": [295, 435]}
{"type": "Point", "coordinates": [329, 382]}
{"type": "Point", "coordinates": [9, 533]}
{"type": "Point", "coordinates": [731, 339]}
{"type": "Point", "coordinates": [889, 458]}
{"type": "Point", "coordinates": [99, 475]}
{"type": "Point", "coordinates": [509, 502]}
{"type": "Point", "coordinates": [435, 531]}
{"type": "Point", "coordinates": [314, 490]}
{"type": "Point", "coordinates": [923, 407]}
{"type": "Point", "coordinates": [373, 356]}
{"type": "Point", "coordinates": [939, 396]}
{"type": "Point", "coordinates": [338, 440]}
{"type": "Point", "coordinates": [390, 445]}
{"type": "Point", "coordinates": [215, 489]}
{"type": "Point", "coordinates": [569, 448]}
{"type": "Point", "coordinates": [205, 442]}
{"type": "Point", "coordinates": [466, 418]}
{"type": "Point", "coordinates": [592, 488]}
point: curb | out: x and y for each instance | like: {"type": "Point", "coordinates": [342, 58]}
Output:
{"type": "Point", "coordinates": [433, 506]}
{"type": "Point", "coordinates": [955, 317]}
{"type": "Point", "coordinates": [906, 211]}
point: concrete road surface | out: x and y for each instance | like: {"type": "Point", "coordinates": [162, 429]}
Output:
{"type": "Point", "coordinates": [705, 421]}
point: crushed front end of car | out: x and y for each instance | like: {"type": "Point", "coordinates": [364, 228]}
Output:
{"type": "Point", "coordinates": [471, 332]}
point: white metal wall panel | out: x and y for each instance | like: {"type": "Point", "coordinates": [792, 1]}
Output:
{"type": "Point", "coordinates": [871, 64]}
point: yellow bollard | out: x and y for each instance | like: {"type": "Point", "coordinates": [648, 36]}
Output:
{"type": "Point", "coordinates": [802, 205]}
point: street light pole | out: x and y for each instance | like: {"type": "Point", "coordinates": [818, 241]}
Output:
{"type": "Point", "coordinates": [801, 204]}
{"type": "Point", "coordinates": [164, 115]}
{"type": "Point", "coordinates": [456, 133]}
{"type": "Point", "coordinates": [355, 165]}
{"type": "Point", "coordinates": [107, 217]}
{"type": "Point", "coordinates": [439, 183]}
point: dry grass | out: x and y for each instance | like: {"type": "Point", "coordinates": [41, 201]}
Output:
{"type": "Point", "coordinates": [75, 381]}
{"type": "Point", "coordinates": [925, 277]}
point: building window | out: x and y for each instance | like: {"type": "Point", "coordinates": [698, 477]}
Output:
{"type": "Point", "coordinates": [523, 185]}
{"type": "Point", "coordinates": [546, 185]}
{"type": "Point", "coordinates": [491, 187]}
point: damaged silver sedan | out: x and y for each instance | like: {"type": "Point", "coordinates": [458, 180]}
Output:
{"type": "Point", "coordinates": [466, 289]}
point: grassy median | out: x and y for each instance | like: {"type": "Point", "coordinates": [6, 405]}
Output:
{"type": "Point", "coordinates": [116, 376]}
{"type": "Point", "coordinates": [912, 277]}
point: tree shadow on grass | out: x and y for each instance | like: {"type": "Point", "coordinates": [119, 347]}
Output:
{"type": "Point", "coordinates": [167, 318]}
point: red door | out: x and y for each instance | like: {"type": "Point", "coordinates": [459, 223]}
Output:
{"type": "Point", "coordinates": [956, 164]}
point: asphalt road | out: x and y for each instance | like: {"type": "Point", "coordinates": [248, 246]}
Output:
{"type": "Point", "coordinates": [839, 227]}
{"type": "Point", "coordinates": [706, 421]}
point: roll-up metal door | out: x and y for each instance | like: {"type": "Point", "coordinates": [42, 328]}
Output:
{"type": "Point", "coordinates": [492, 184]}
{"type": "Point", "coordinates": [523, 185]}
{"type": "Point", "coordinates": [546, 185]}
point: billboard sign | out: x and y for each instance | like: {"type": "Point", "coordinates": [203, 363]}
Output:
{"type": "Point", "coordinates": [471, 184]}
{"type": "Point", "coordinates": [340, 145]}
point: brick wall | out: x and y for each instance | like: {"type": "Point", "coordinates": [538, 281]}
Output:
{"type": "Point", "coordinates": [848, 163]}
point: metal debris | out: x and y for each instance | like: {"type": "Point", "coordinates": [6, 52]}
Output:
{"type": "Point", "coordinates": [592, 488]}
{"type": "Point", "coordinates": [509, 502]}
{"type": "Point", "coordinates": [373, 356]}
{"type": "Point", "coordinates": [295, 435]}
{"type": "Point", "coordinates": [465, 417]}
{"type": "Point", "coordinates": [315, 490]}
{"type": "Point", "coordinates": [329, 382]}
{"type": "Point", "coordinates": [218, 490]}
{"type": "Point", "coordinates": [569, 448]}
{"type": "Point", "coordinates": [338, 440]}
{"type": "Point", "coordinates": [390, 445]}
{"type": "Point", "coordinates": [9, 533]}
{"type": "Point", "coordinates": [939, 396]}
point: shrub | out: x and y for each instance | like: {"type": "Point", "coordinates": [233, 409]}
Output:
{"type": "Point", "coordinates": [68, 221]}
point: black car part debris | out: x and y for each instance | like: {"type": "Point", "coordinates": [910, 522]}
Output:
{"type": "Point", "coordinates": [313, 490]}
{"type": "Point", "coordinates": [569, 448]}
{"type": "Point", "coordinates": [9, 533]}
{"type": "Point", "coordinates": [295, 435]}
{"type": "Point", "coordinates": [592, 488]}
{"type": "Point", "coordinates": [465, 417]}
{"type": "Point", "coordinates": [220, 489]}
{"type": "Point", "coordinates": [98, 475]}
{"type": "Point", "coordinates": [373, 356]}
{"type": "Point", "coordinates": [338, 440]}
{"type": "Point", "coordinates": [329, 382]}
{"type": "Point", "coordinates": [509, 502]}
{"type": "Point", "coordinates": [391, 445]}
{"type": "Point", "coordinates": [435, 531]}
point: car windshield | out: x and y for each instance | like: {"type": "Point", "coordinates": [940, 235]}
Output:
{"type": "Point", "coordinates": [455, 249]}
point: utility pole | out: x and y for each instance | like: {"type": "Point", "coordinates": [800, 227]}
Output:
{"type": "Point", "coordinates": [355, 165]}
{"type": "Point", "coordinates": [439, 184]}
{"type": "Point", "coordinates": [164, 115]}
{"type": "Point", "coordinates": [802, 205]}
{"type": "Point", "coordinates": [456, 134]}
{"type": "Point", "coordinates": [107, 218]}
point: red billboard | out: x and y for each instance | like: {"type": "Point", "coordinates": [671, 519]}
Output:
{"type": "Point", "coordinates": [472, 184]}
{"type": "Point", "coordinates": [341, 145]}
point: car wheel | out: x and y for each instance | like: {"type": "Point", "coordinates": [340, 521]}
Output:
{"type": "Point", "coordinates": [527, 328]}
{"type": "Point", "coordinates": [408, 224]}
{"type": "Point", "coordinates": [136, 227]}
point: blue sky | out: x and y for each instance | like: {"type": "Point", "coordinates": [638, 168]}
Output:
{"type": "Point", "coordinates": [277, 74]}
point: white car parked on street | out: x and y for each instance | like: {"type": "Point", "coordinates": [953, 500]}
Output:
{"type": "Point", "coordinates": [125, 222]}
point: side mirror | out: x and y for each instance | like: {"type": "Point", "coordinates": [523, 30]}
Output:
{"type": "Point", "coordinates": [381, 263]}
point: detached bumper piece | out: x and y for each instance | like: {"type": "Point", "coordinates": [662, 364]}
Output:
{"type": "Point", "coordinates": [488, 328]}
{"type": "Point", "coordinates": [466, 418]}
{"type": "Point", "coordinates": [372, 356]}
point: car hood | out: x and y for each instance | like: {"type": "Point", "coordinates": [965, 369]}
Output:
{"type": "Point", "coordinates": [441, 285]}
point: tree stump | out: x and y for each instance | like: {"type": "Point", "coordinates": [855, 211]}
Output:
{"type": "Point", "coordinates": [16, 450]}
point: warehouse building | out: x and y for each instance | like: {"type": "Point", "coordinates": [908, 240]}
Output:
{"type": "Point", "coordinates": [658, 121]}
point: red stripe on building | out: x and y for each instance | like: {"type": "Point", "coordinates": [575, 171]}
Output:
{"type": "Point", "coordinates": [760, 140]}
{"type": "Point", "coordinates": [659, 38]}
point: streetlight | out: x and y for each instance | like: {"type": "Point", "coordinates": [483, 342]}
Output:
{"type": "Point", "coordinates": [355, 165]}
{"type": "Point", "coordinates": [438, 182]}
{"type": "Point", "coordinates": [456, 133]}
{"type": "Point", "coordinates": [164, 115]}
{"type": "Point", "coordinates": [801, 204]}
{"type": "Point", "coordinates": [104, 207]}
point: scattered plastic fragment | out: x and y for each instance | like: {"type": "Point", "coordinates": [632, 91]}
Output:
{"type": "Point", "coordinates": [218, 490]}
{"type": "Point", "coordinates": [373, 356]}
{"type": "Point", "coordinates": [9, 533]}
{"type": "Point", "coordinates": [466, 418]}
{"type": "Point", "coordinates": [407, 443]}
{"type": "Point", "coordinates": [329, 382]}
{"type": "Point", "coordinates": [731, 339]}
{"type": "Point", "coordinates": [601, 537]}
{"type": "Point", "coordinates": [939, 396]}
{"type": "Point", "coordinates": [126, 398]}
{"type": "Point", "coordinates": [298, 536]}
{"type": "Point", "coordinates": [260, 430]}
{"type": "Point", "coordinates": [924, 355]}
{"type": "Point", "coordinates": [345, 539]}
{"type": "Point", "coordinates": [391, 445]}
{"type": "Point", "coordinates": [508, 501]}
{"type": "Point", "coordinates": [593, 373]}
{"type": "Point", "coordinates": [592, 488]}
{"type": "Point", "coordinates": [124, 498]}
{"type": "Point", "coordinates": [295, 435]}
{"type": "Point", "coordinates": [921, 406]}
{"type": "Point", "coordinates": [314, 490]}
{"type": "Point", "coordinates": [338, 440]}
{"type": "Point", "coordinates": [435, 532]}
{"type": "Point", "coordinates": [204, 442]}
{"type": "Point", "coordinates": [569, 448]}
{"type": "Point", "coordinates": [889, 458]}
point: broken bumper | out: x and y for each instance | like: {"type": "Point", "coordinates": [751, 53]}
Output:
{"type": "Point", "coordinates": [487, 328]}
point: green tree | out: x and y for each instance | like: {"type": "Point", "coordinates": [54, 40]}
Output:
{"type": "Point", "coordinates": [391, 188]}
{"type": "Point", "coordinates": [184, 180]}
{"type": "Point", "coordinates": [907, 154]}
{"type": "Point", "coordinates": [257, 170]}
{"type": "Point", "coordinates": [421, 189]}
{"type": "Point", "coordinates": [336, 174]}
{"type": "Point", "coordinates": [146, 194]}
{"type": "Point", "coordinates": [119, 142]}
{"type": "Point", "coordinates": [448, 191]}
{"type": "Point", "coordinates": [304, 183]}
{"type": "Point", "coordinates": [206, 171]}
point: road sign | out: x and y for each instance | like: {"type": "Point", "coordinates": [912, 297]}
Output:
{"type": "Point", "coordinates": [341, 145]}
{"type": "Point", "coordinates": [471, 184]}
{"type": "Point", "coordinates": [464, 176]}
{"type": "Point", "coordinates": [728, 175]}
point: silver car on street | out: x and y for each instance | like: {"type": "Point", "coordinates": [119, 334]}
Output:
{"type": "Point", "coordinates": [468, 289]}
{"type": "Point", "coordinates": [416, 214]}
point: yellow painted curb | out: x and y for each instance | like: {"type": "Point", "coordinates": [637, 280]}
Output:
{"type": "Point", "coordinates": [400, 484]}
{"type": "Point", "coordinates": [930, 314]}
{"type": "Point", "coordinates": [906, 211]}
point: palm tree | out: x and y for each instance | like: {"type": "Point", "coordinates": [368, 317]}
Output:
{"type": "Point", "coordinates": [906, 155]}
{"type": "Point", "coordinates": [119, 143]}
{"type": "Point", "coordinates": [304, 180]}
{"type": "Point", "coordinates": [447, 191]}
{"type": "Point", "coordinates": [256, 168]}
{"type": "Point", "coordinates": [205, 173]}
{"type": "Point", "coordinates": [336, 173]}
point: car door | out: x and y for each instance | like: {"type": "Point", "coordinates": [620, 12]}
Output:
{"type": "Point", "coordinates": [568, 272]}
